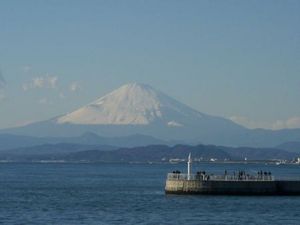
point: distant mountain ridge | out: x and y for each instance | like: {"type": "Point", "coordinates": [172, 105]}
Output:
{"type": "Point", "coordinates": [140, 109]}
{"type": "Point", "coordinates": [9, 141]}
{"type": "Point", "coordinates": [52, 149]}
{"type": "Point", "coordinates": [152, 153]}
{"type": "Point", "coordinates": [293, 146]}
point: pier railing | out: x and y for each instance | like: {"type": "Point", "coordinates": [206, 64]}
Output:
{"type": "Point", "coordinates": [182, 176]}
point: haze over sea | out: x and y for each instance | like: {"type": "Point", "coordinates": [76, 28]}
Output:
{"type": "Point", "coordinates": [105, 193]}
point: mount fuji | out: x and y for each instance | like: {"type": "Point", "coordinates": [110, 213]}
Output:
{"type": "Point", "coordinates": [140, 109]}
{"type": "Point", "coordinates": [136, 105]}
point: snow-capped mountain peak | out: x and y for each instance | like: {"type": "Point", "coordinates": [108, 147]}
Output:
{"type": "Point", "coordinates": [132, 104]}
{"type": "Point", "coordinates": [140, 109]}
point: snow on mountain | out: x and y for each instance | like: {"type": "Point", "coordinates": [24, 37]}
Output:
{"type": "Point", "coordinates": [133, 104]}
{"type": "Point", "coordinates": [140, 109]}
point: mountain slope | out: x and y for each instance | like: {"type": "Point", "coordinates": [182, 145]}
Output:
{"type": "Point", "coordinates": [135, 104]}
{"type": "Point", "coordinates": [137, 109]}
{"type": "Point", "coordinates": [140, 109]}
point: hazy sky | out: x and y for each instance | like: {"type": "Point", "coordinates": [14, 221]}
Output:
{"type": "Point", "coordinates": [236, 59]}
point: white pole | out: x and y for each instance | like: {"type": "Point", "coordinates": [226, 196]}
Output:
{"type": "Point", "coordinates": [189, 166]}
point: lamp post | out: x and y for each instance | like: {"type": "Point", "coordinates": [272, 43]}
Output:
{"type": "Point", "coordinates": [189, 166]}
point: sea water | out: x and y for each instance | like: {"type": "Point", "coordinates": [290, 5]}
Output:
{"type": "Point", "coordinates": [103, 193]}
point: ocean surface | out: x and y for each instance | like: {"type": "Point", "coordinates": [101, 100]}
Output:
{"type": "Point", "coordinates": [102, 193]}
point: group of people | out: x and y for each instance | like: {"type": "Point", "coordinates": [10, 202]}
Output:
{"type": "Point", "coordinates": [240, 175]}
{"type": "Point", "coordinates": [202, 175]}
{"type": "Point", "coordinates": [261, 173]}
{"type": "Point", "coordinates": [201, 172]}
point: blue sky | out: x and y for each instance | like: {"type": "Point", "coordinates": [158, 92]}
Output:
{"type": "Point", "coordinates": [236, 59]}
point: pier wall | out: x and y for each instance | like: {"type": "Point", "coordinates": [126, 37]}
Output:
{"type": "Point", "coordinates": [288, 187]}
{"type": "Point", "coordinates": [232, 187]}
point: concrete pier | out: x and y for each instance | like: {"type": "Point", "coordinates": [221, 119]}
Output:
{"type": "Point", "coordinates": [216, 185]}
{"type": "Point", "coordinates": [241, 183]}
